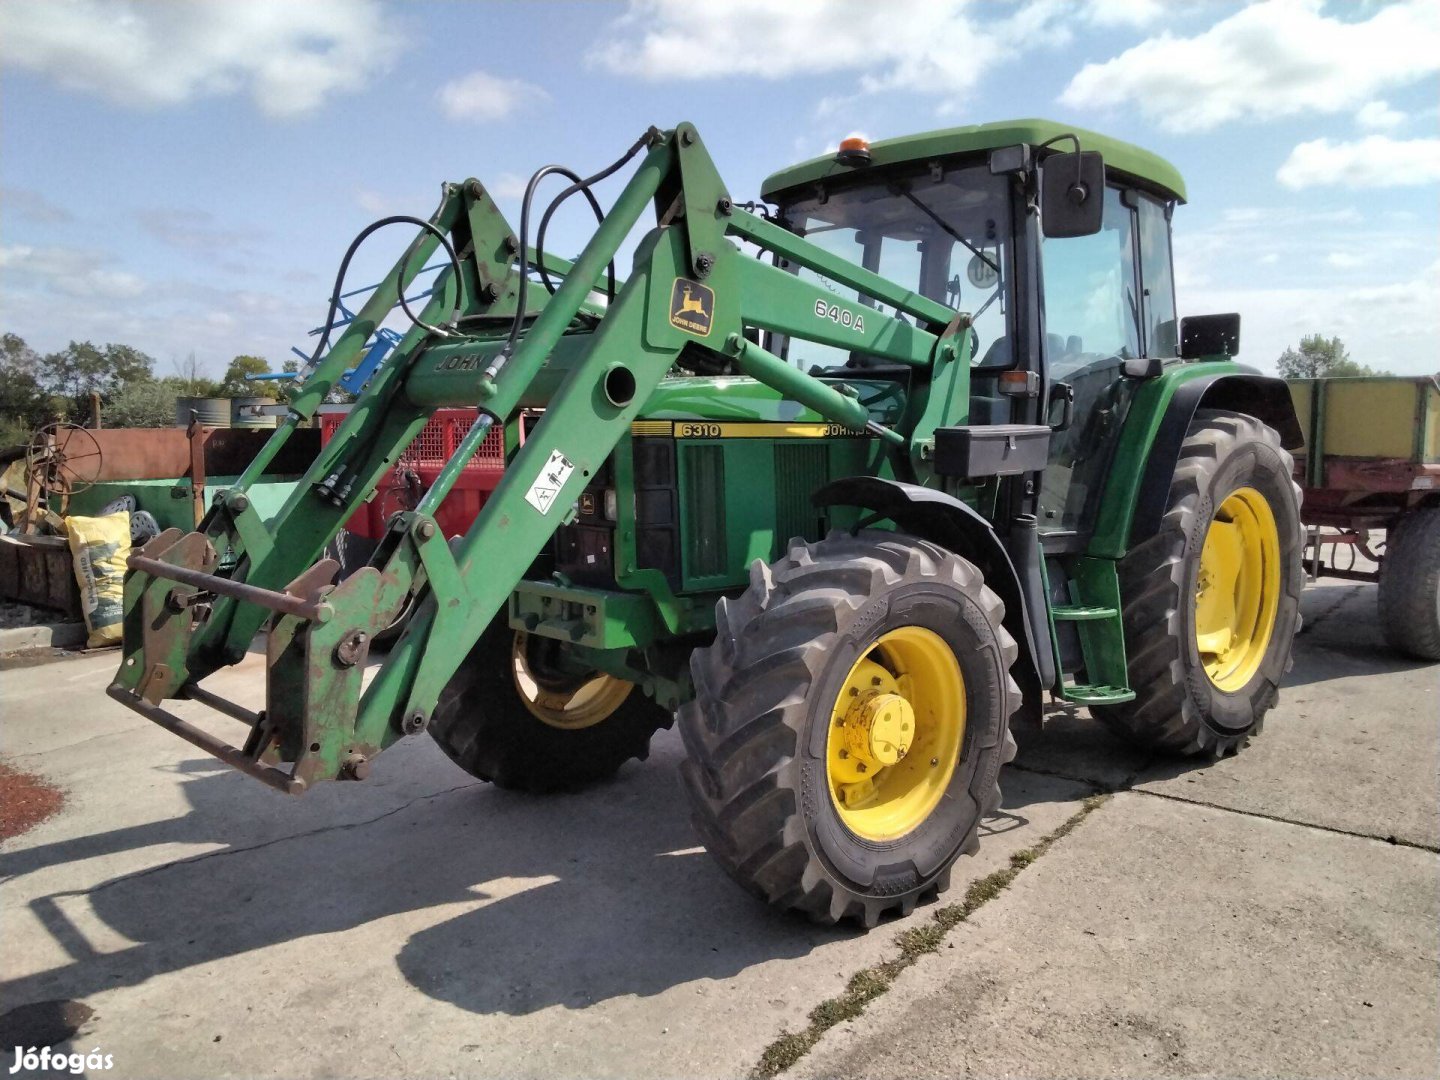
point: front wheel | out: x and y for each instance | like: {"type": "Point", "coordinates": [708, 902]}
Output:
{"type": "Point", "coordinates": [518, 714]}
{"type": "Point", "coordinates": [849, 724]}
{"type": "Point", "coordinates": [1211, 603]}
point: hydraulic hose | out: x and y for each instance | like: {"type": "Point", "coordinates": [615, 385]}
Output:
{"type": "Point", "coordinates": [397, 219]}
{"type": "Point", "coordinates": [577, 185]}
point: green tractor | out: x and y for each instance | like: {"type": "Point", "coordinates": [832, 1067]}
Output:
{"type": "Point", "coordinates": [847, 485]}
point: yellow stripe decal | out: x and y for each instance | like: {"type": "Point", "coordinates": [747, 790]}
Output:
{"type": "Point", "coordinates": [697, 429]}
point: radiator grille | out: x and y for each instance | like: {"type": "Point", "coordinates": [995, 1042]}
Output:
{"type": "Point", "coordinates": [705, 546]}
{"type": "Point", "coordinates": [800, 469]}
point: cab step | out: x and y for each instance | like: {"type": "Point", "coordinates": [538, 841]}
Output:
{"type": "Point", "coordinates": [1086, 694]}
{"type": "Point", "coordinates": [1082, 612]}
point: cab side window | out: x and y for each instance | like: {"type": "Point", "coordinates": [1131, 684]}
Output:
{"type": "Point", "coordinates": [1157, 280]}
{"type": "Point", "coordinates": [1092, 311]}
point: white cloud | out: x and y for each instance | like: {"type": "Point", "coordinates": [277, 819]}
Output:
{"type": "Point", "coordinates": [71, 271]}
{"type": "Point", "coordinates": [1272, 59]}
{"type": "Point", "coordinates": [288, 56]}
{"type": "Point", "coordinates": [372, 202]}
{"type": "Point", "coordinates": [1345, 260]}
{"type": "Point", "coordinates": [1124, 12]}
{"type": "Point", "coordinates": [1379, 116]}
{"type": "Point", "coordinates": [1390, 326]}
{"type": "Point", "coordinates": [483, 97]}
{"type": "Point", "coordinates": [1374, 161]}
{"type": "Point", "coordinates": [507, 185]}
{"type": "Point", "coordinates": [34, 206]}
{"type": "Point", "coordinates": [195, 231]}
{"type": "Point", "coordinates": [934, 47]}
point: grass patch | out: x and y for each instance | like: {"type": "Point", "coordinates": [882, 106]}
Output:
{"type": "Point", "coordinates": [869, 983]}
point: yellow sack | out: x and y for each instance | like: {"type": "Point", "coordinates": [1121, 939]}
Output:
{"type": "Point", "coordinates": [99, 547]}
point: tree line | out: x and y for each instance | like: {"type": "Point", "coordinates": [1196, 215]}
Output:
{"type": "Point", "coordinates": [1319, 357]}
{"type": "Point", "coordinates": [37, 389]}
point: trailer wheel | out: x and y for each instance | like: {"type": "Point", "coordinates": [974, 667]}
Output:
{"type": "Point", "coordinates": [849, 724]}
{"type": "Point", "coordinates": [1211, 603]}
{"type": "Point", "coordinates": [515, 715]}
{"type": "Point", "coordinates": [1410, 585]}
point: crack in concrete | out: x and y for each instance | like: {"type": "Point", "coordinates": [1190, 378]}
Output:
{"type": "Point", "coordinates": [1392, 841]}
{"type": "Point", "coordinates": [867, 984]}
{"type": "Point", "coordinates": [1100, 788]}
{"type": "Point", "coordinates": [1319, 618]}
{"type": "Point", "coordinates": [271, 843]}
{"type": "Point", "coordinates": [1128, 784]}
{"type": "Point", "coordinates": [80, 742]}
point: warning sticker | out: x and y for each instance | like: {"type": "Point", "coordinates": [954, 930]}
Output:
{"type": "Point", "coordinates": [546, 488]}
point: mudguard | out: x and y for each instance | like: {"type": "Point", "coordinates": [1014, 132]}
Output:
{"type": "Point", "coordinates": [955, 526]}
{"type": "Point", "coordinates": [1264, 397]}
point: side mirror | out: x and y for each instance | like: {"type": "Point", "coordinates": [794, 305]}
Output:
{"type": "Point", "coordinates": [1209, 335]}
{"type": "Point", "coordinates": [1072, 194]}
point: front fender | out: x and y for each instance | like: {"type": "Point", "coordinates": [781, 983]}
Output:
{"type": "Point", "coordinates": [945, 520]}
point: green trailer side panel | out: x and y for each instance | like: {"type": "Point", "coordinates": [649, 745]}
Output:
{"type": "Point", "coordinates": [169, 501]}
{"type": "Point", "coordinates": [1395, 417]}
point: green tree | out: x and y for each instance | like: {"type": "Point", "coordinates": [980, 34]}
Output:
{"type": "Point", "coordinates": [24, 404]}
{"type": "Point", "coordinates": [233, 382]}
{"type": "Point", "coordinates": [81, 368]}
{"type": "Point", "coordinates": [148, 403]}
{"type": "Point", "coordinates": [191, 382]}
{"type": "Point", "coordinates": [1319, 357]}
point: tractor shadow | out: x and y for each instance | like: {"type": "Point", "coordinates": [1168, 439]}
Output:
{"type": "Point", "coordinates": [508, 903]}
{"type": "Point", "coordinates": [563, 900]}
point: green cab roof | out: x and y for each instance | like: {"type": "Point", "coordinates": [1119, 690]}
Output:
{"type": "Point", "coordinates": [1122, 157]}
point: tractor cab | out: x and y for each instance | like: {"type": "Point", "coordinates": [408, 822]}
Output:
{"type": "Point", "coordinates": [1069, 308]}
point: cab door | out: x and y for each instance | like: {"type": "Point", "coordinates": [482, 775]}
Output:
{"type": "Point", "coordinates": [1107, 298]}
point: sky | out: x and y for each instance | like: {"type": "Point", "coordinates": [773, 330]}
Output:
{"type": "Point", "coordinates": [183, 176]}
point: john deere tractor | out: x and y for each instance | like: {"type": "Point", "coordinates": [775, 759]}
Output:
{"type": "Point", "coordinates": [847, 481]}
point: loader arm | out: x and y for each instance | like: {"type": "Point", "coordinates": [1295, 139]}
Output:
{"type": "Point", "coordinates": [194, 602]}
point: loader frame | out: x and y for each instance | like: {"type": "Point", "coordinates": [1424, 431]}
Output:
{"type": "Point", "coordinates": [195, 602]}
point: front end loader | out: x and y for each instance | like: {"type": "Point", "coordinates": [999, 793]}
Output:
{"type": "Point", "coordinates": [846, 486]}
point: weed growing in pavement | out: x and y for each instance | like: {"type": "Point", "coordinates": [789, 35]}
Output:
{"type": "Point", "coordinates": [869, 983]}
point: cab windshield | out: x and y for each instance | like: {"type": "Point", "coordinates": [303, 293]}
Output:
{"type": "Point", "coordinates": [947, 234]}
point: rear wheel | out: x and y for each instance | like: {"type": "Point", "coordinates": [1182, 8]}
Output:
{"type": "Point", "coordinates": [1212, 602]}
{"type": "Point", "coordinates": [849, 724]}
{"type": "Point", "coordinates": [518, 714]}
{"type": "Point", "coordinates": [1410, 585]}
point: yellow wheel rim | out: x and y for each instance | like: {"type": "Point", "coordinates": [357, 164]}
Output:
{"type": "Point", "coordinates": [1237, 589]}
{"type": "Point", "coordinates": [569, 704]}
{"type": "Point", "coordinates": [895, 734]}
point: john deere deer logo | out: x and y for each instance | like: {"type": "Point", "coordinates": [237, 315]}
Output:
{"type": "Point", "coordinates": [692, 307]}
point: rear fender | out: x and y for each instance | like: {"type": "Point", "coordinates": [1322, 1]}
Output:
{"type": "Point", "coordinates": [945, 520]}
{"type": "Point", "coordinates": [1263, 397]}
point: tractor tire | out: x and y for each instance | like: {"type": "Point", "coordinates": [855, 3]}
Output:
{"type": "Point", "coordinates": [776, 770]}
{"type": "Point", "coordinates": [1410, 585]}
{"type": "Point", "coordinates": [1222, 575]}
{"type": "Point", "coordinates": [506, 718]}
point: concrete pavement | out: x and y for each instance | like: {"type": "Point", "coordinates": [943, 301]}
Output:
{"type": "Point", "coordinates": [1224, 919]}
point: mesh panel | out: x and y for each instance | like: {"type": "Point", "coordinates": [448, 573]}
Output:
{"type": "Point", "coordinates": [438, 439]}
